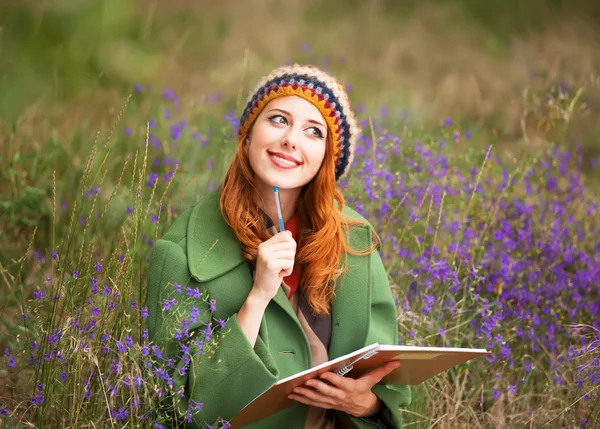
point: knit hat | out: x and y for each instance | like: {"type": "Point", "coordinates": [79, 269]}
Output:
{"type": "Point", "coordinates": [320, 89]}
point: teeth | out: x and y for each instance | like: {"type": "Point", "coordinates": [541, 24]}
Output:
{"type": "Point", "coordinates": [284, 161]}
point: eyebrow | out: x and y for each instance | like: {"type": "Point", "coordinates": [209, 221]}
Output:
{"type": "Point", "coordinates": [289, 114]}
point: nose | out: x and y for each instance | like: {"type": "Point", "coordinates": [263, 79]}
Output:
{"type": "Point", "coordinates": [291, 139]}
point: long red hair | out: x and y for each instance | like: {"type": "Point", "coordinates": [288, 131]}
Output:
{"type": "Point", "coordinates": [322, 230]}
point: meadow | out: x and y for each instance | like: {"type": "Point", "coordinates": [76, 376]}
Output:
{"type": "Point", "coordinates": [488, 243]}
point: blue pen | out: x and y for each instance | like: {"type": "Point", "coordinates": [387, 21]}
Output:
{"type": "Point", "coordinates": [278, 203]}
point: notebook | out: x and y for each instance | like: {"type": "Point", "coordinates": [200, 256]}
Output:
{"type": "Point", "coordinates": [418, 365]}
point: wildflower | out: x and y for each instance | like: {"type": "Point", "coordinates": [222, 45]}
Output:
{"type": "Point", "coordinates": [168, 303]}
{"type": "Point", "coordinates": [98, 267]}
{"type": "Point", "coordinates": [495, 393]}
{"type": "Point", "coordinates": [194, 293]}
{"type": "Point", "coordinates": [157, 352]}
{"type": "Point", "coordinates": [144, 312]}
{"type": "Point", "coordinates": [54, 255]}
{"type": "Point", "coordinates": [152, 179]}
{"type": "Point", "coordinates": [11, 361]}
{"type": "Point", "coordinates": [213, 305]}
{"type": "Point", "coordinates": [75, 274]}
{"type": "Point", "coordinates": [39, 294]}
{"type": "Point", "coordinates": [38, 398]}
{"type": "Point", "coordinates": [194, 314]}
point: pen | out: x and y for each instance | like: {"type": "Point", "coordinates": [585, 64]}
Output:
{"type": "Point", "coordinates": [278, 203]}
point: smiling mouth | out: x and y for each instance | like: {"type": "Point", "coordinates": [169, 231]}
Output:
{"type": "Point", "coordinates": [283, 161]}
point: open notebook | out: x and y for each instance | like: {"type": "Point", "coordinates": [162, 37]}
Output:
{"type": "Point", "coordinates": [418, 364]}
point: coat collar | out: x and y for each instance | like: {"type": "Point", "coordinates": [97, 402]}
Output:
{"type": "Point", "coordinates": [212, 247]}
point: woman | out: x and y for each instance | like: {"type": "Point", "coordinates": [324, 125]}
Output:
{"type": "Point", "coordinates": [287, 300]}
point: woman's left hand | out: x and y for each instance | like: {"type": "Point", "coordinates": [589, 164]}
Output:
{"type": "Point", "coordinates": [351, 396]}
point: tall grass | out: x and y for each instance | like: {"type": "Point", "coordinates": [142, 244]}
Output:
{"type": "Point", "coordinates": [481, 251]}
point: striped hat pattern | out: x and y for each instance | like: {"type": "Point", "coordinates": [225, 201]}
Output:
{"type": "Point", "coordinates": [323, 91]}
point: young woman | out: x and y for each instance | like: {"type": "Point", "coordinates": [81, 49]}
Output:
{"type": "Point", "coordinates": [287, 300]}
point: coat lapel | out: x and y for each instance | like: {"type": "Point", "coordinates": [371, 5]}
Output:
{"type": "Point", "coordinates": [213, 249]}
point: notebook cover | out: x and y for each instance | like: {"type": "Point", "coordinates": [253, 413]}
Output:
{"type": "Point", "coordinates": [418, 363]}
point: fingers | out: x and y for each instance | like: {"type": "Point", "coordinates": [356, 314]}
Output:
{"type": "Point", "coordinates": [373, 377]}
{"type": "Point", "coordinates": [338, 381]}
{"type": "Point", "coordinates": [281, 237]}
{"type": "Point", "coordinates": [325, 389]}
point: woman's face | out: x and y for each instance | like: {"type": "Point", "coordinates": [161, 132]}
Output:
{"type": "Point", "coordinates": [287, 143]}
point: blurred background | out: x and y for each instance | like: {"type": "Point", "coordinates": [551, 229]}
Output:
{"type": "Point", "coordinates": [68, 61]}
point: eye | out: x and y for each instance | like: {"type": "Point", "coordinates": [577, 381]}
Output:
{"type": "Point", "coordinates": [278, 119]}
{"type": "Point", "coordinates": [316, 132]}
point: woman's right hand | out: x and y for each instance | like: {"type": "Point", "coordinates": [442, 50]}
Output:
{"type": "Point", "coordinates": [275, 260]}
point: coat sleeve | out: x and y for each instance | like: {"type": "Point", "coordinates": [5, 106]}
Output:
{"type": "Point", "coordinates": [208, 383]}
{"type": "Point", "coordinates": [383, 329]}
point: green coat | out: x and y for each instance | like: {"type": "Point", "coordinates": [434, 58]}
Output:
{"type": "Point", "coordinates": [363, 313]}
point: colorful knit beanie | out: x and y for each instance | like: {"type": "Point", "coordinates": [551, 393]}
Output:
{"type": "Point", "coordinates": [320, 89]}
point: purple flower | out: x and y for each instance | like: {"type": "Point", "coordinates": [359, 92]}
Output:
{"type": "Point", "coordinates": [39, 294]}
{"type": "Point", "coordinates": [11, 361]}
{"type": "Point", "coordinates": [495, 393]}
{"type": "Point", "coordinates": [128, 130]}
{"type": "Point", "coordinates": [75, 274]}
{"type": "Point", "coordinates": [169, 303]}
{"type": "Point", "coordinates": [193, 292]}
{"type": "Point", "coordinates": [213, 305]}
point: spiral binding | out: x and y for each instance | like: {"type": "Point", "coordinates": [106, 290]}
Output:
{"type": "Point", "coordinates": [348, 367]}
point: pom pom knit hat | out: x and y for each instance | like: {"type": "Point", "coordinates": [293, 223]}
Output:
{"type": "Point", "coordinates": [322, 90]}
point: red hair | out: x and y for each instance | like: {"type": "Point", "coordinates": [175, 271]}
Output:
{"type": "Point", "coordinates": [322, 230]}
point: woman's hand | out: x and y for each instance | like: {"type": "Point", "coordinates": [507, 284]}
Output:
{"type": "Point", "coordinates": [275, 261]}
{"type": "Point", "coordinates": [351, 396]}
